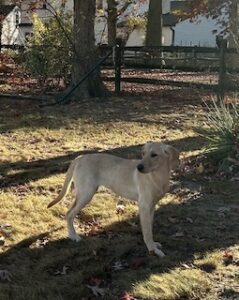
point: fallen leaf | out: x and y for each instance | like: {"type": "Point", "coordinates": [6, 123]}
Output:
{"type": "Point", "coordinates": [42, 242]}
{"type": "Point", "coordinates": [186, 266]}
{"type": "Point", "coordinates": [138, 263]}
{"type": "Point", "coordinates": [120, 209]}
{"type": "Point", "coordinates": [119, 265]}
{"type": "Point", "coordinates": [133, 224]}
{"type": "Point", "coordinates": [227, 257]}
{"type": "Point", "coordinates": [97, 291]}
{"type": "Point", "coordinates": [178, 234]}
{"type": "Point", "coordinates": [173, 220]}
{"type": "Point", "coordinates": [92, 228]}
{"type": "Point", "coordinates": [110, 234]}
{"type": "Point", "coordinates": [2, 240]}
{"type": "Point", "coordinates": [95, 281]}
{"type": "Point", "coordinates": [189, 220]}
{"type": "Point", "coordinates": [199, 169]}
{"type": "Point", "coordinates": [21, 190]}
{"type": "Point", "coordinates": [5, 275]}
{"type": "Point", "coordinates": [5, 229]}
{"type": "Point", "coordinates": [223, 209]}
{"type": "Point", "coordinates": [5, 226]}
{"type": "Point", "coordinates": [63, 271]}
{"type": "Point", "coordinates": [127, 296]}
{"type": "Point", "coordinates": [186, 170]}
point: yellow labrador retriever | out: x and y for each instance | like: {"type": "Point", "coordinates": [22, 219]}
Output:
{"type": "Point", "coordinates": [145, 180]}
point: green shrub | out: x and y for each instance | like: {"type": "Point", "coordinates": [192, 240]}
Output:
{"type": "Point", "coordinates": [48, 53]}
{"type": "Point", "coordinates": [222, 133]}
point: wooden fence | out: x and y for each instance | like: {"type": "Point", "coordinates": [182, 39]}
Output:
{"type": "Point", "coordinates": [220, 60]}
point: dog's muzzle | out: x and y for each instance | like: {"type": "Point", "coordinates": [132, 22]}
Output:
{"type": "Point", "coordinates": [140, 167]}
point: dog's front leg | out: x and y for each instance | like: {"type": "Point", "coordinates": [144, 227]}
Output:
{"type": "Point", "coordinates": [145, 214]}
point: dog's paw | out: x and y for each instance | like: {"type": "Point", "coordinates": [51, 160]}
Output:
{"type": "Point", "coordinates": [158, 245]}
{"type": "Point", "coordinates": [157, 251]}
{"type": "Point", "coordinates": [75, 237]}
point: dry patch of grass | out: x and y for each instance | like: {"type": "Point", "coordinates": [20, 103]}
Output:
{"type": "Point", "coordinates": [174, 284]}
{"type": "Point", "coordinates": [197, 222]}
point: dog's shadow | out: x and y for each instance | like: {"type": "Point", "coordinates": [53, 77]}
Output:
{"type": "Point", "coordinates": [116, 256]}
{"type": "Point", "coordinates": [25, 171]}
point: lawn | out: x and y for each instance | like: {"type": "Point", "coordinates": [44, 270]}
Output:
{"type": "Point", "coordinates": [197, 222]}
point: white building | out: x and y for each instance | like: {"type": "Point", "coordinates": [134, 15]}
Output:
{"type": "Point", "coordinates": [175, 32]}
{"type": "Point", "coordinates": [137, 36]}
{"type": "Point", "coordinates": [201, 32]}
{"type": "Point", "coordinates": [44, 10]}
{"type": "Point", "coordinates": [17, 22]}
{"type": "Point", "coordinates": [10, 19]}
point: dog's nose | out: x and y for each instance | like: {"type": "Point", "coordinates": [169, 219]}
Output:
{"type": "Point", "coordinates": [140, 167]}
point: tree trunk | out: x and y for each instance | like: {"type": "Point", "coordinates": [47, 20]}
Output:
{"type": "Point", "coordinates": [0, 35]}
{"type": "Point", "coordinates": [154, 25]}
{"type": "Point", "coordinates": [86, 55]}
{"type": "Point", "coordinates": [111, 21]}
{"type": "Point", "coordinates": [234, 14]}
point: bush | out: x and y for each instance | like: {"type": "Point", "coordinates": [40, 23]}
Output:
{"type": "Point", "coordinates": [48, 53]}
{"type": "Point", "coordinates": [222, 133]}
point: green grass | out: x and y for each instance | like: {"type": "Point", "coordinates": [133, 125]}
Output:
{"type": "Point", "coordinates": [222, 133]}
{"type": "Point", "coordinates": [196, 223]}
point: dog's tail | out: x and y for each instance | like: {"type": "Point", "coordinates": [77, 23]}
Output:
{"type": "Point", "coordinates": [66, 185]}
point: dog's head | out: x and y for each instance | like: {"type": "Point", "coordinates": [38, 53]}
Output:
{"type": "Point", "coordinates": [155, 155]}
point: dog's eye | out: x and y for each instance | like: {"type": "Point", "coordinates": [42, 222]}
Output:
{"type": "Point", "coordinates": [154, 154]}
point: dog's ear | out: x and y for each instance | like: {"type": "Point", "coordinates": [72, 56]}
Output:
{"type": "Point", "coordinates": [173, 154]}
{"type": "Point", "coordinates": [145, 147]}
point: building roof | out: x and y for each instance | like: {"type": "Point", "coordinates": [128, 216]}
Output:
{"type": "Point", "coordinates": [179, 6]}
{"type": "Point", "coordinates": [169, 20]}
{"type": "Point", "coordinates": [6, 9]}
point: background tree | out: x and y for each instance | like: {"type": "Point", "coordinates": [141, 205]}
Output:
{"type": "Point", "coordinates": [218, 9]}
{"type": "Point", "coordinates": [117, 8]}
{"type": "Point", "coordinates": [154, 24]}
{"type": "Point", "coordinates": [1, 20]}
{"type": "Point", "coordinates": [234, 24]}
{"type": "Point", "coordinates": [111, 21]}
{"type": "Point", "coordinates": [85, 55]}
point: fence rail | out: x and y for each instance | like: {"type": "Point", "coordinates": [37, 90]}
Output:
{"type": "Point", "coordinates": [194, 58]}
{"type": "Point", "coordinates": [221, 60]}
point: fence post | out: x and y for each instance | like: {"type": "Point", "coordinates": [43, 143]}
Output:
{"type": "Point", "coordinates": [118, 60]}
{"type": "Point", "coordinates": [222, 43]}
{"type": "Point", "coordinates": [195, 56]}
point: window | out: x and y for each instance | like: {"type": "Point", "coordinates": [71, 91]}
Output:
{"type": "Point", "coordinates": [99, 4]}
{"type": "Point", "coordinates": [27, 36]}
{"type": "Point", "coordinates": [63, 4]}
{"type": "Point", "coordinates": [17, 16]}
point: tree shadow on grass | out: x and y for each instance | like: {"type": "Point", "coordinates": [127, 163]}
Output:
{"type": "Point", "coordinates": [116, 258]}
{"type": "Point", "coordinates": [154, 107]}
{"type": "Point", "coordinates": [42, 168]}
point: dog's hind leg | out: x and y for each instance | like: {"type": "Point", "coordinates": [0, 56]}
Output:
{"type": "Point", "coordinates": [82, 199]}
